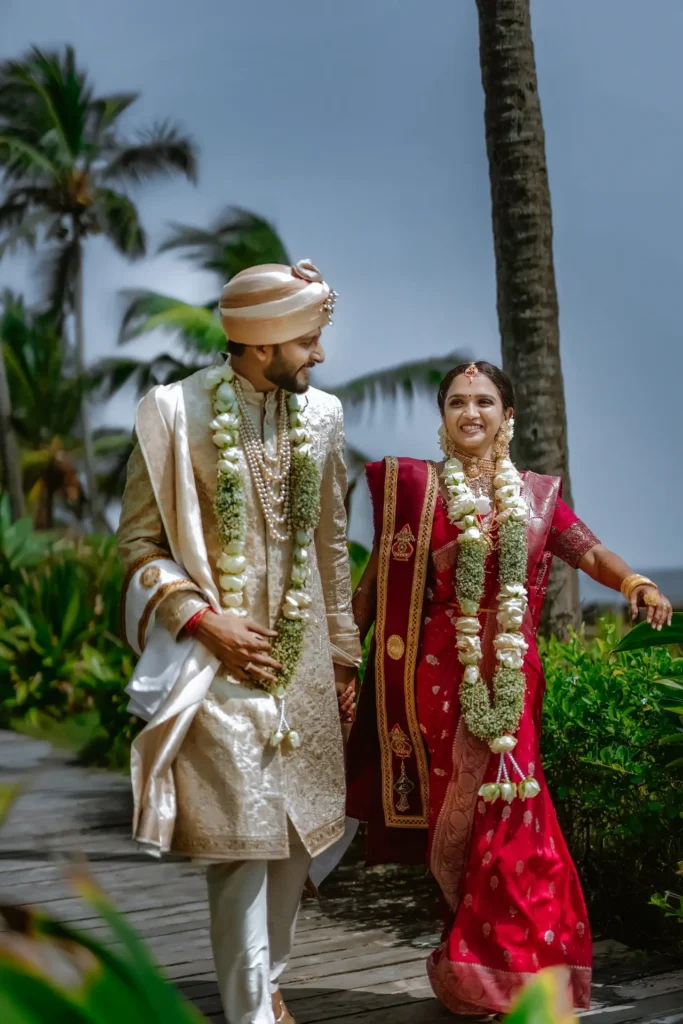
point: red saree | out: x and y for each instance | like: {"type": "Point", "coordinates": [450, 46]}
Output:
{"type": "Point", "coordinates": [513, 896]}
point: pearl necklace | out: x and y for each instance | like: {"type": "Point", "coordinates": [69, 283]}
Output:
{"type": "Point", "coordinates": [271, 485]}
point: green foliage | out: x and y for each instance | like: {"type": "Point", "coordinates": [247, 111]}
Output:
{"type": "Point", "coordinates": [544, 1000]}
{"type": "Point", "coordinates": [607, 759]}
{"type": "Point", "coordinates": [60, 656]}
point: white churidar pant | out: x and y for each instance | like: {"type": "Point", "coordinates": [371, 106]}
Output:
{"type": "Point", "coordinates": [253, 906]}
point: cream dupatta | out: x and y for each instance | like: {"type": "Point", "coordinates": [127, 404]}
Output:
{"type": "Point", "coordinates": [172, 677]}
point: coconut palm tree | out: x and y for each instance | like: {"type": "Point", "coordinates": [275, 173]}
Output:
{"type": "Point", "coordinates": [67, 169]}
{"type": "Point", "coordinates": [9, 449]}
{"type": "Point", "coordinates": [522, 230]}
{"type": "Point", "coordinates": [46, 392]}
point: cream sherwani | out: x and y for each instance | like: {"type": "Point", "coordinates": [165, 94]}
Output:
{"type": "Point", "coordinates": [233, 792]}
{"type": "Point", "coordinates": [232, 797]}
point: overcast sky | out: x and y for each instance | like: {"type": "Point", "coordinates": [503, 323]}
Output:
{"type": "Point", "coordinates": [357, 126]}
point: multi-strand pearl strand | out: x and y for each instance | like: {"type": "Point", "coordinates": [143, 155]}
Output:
{"type": "Point", "coordinates": [269, 473]}
{"type": "Point", "coordinates": [464, 510]}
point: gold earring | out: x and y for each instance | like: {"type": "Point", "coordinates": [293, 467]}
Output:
{"type": "Point", "coordinates": [445, 443]}
{"type": "Point", "coordinates": [501, 444]}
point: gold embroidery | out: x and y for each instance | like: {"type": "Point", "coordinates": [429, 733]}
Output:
{"type": "Point", "coordinates": [155, 600]}
{"type": "Point", "coordinates": [403, 748]}
{"type": "Point", "coordinates": [403, 547]}
{"type": "Point", "coordinates": [399, 742]}
{"type": "Point", "coordinates": [150, 577]}
{"type": "Point", "coordinates": [132, 569]}
{"type": "Point", "coordinates": [411, 643]}
{"type": "Point", "coordinates": [395, 647]}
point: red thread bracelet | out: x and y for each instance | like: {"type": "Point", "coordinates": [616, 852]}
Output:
{"type": "Point", "coordinates": [194, 620]}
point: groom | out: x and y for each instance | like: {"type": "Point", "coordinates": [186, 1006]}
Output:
{"type": "Point", "coordinates": [238, 598]}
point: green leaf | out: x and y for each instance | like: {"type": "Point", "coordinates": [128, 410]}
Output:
{"type": "Point", "coordinates": [32, 1000]}
{"type": "Point", "coordinates": [643, 636]}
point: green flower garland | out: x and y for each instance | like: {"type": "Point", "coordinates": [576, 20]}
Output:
{"type": "Point", "coordinates": [230, 512]}
{"type": "Point", "coordinates": [493, 717]}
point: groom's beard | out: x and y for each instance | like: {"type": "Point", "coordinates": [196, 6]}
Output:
{"type": "Point", "coordinates": [284, 375]}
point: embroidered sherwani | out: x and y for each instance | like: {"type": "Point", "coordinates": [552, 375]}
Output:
{"type": "Point", "coordinates": [234, 792]}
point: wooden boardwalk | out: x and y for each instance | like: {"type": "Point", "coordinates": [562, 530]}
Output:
{"type": "Point", "coordinates": [359, 954]}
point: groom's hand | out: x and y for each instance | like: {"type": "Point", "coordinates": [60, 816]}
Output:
{"type": "Point", "coordinates": [241, 644]}
{"type": "Point", "coordinates": [346, 681]}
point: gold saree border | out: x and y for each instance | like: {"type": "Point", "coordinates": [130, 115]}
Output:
{"type": "Point", "coordinates": [155, 600]}
{"type": "Point", "coordinates": [412, 641]}
{"type": "Point", "coordinates": [471, 989]}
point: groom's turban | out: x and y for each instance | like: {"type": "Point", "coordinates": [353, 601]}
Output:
{"type": "Point", "coordinates": [273, 303]}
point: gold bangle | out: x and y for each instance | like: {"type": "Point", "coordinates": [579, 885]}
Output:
{"type": "Point", "coordinates": [629, 584]}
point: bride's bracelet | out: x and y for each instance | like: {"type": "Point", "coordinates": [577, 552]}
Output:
{"type": "Point", "coordinates": [633, 581]}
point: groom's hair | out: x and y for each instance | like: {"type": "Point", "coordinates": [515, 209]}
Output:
{"type": "Point", "coordinates": [494, 373]}
{"type": "Point", "coordinates": [235, 349]}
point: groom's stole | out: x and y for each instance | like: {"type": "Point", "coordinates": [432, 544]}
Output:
{"type": "Point", "coordinates": [388, 771]}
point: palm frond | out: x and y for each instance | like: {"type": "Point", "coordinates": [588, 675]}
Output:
{"type": "Point", "coordinates": [196, 326]}
{"type": "Point", "coordinates": [25, 232]}
{"type": "Point", "coordinates": [237, 240]}
{"type": "Point", "coordinates": [20, 159]}
{"type": "Point", "coordinates": [161, 150]}
{"type": "Point", "coordinates": [118, 220]}
{"type": "Point", "coordinates": [111, 375]}
{"type": "Point", "coordinates": [407, 380]}
{"type": "Point", "coordinates": [46, 97]}
{"type": "Point", "coordinates": [103, 114]}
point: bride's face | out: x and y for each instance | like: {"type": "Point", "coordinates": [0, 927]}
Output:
{"type": "Point", "coordinates": [473, 413]}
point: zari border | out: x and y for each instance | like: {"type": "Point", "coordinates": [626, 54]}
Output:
{"type": "Point", "coordinates": [471, 989]}
{"type": "Point", "coordinates": [130, 572]}
{"type": "Point", "coordinates": [391, 819]}
{"type": "Point", "coordinates": [164, 590]}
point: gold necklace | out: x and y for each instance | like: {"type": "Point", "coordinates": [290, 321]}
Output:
{"type": "Point", "coordinates": [473, 466]}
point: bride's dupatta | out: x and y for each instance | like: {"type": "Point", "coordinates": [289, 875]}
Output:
{"type": "Point", "coordinates": [388, 777]}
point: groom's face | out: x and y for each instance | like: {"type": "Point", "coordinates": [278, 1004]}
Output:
{"type": "Point", "coordinates": [292, 362]}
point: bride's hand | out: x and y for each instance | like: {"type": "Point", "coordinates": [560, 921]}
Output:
{"type": "Point", "coordinates": [659, 610]}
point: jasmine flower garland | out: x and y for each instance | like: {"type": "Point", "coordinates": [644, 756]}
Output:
{"type": "Point", "coordinates": [230, 511]}
{"type": "Point", "coordinates": [494, 721]}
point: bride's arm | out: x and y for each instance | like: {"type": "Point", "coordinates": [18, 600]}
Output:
{"type": "Point", "coordinates": [365, 597]}
{"type": "Point", "coordinates": [607, 568]}
{"type": "Point", "coordinates": [575, 544]}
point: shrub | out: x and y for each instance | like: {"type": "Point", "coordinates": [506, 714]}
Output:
{"type": "Point", "coordinates": [618, 796]}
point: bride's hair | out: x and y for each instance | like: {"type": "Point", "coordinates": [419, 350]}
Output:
{"type": "Point", "coordinates": [494, 373]}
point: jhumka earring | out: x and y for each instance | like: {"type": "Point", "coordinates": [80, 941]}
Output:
{"type": "Point", "coordinates": [503, 439]}
{"type": "Point", "coordinates": [445, 443]}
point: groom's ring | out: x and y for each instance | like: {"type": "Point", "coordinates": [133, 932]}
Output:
{"type": "Point", "coordinates": [249, 668]}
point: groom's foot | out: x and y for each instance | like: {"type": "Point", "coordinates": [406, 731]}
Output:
{"type": "Point", "coordinates": [280, 1011]}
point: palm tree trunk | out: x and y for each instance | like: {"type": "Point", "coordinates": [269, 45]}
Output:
{"type": "Point", "coordinates": [528, 311]}
{"type": "Point", "coordinates": [9, 449]}
{"type": "Point", "coordinates": [98, 521]}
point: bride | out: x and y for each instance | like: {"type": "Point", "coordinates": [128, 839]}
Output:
{"type": "Point", "coordinates": [444, 758]}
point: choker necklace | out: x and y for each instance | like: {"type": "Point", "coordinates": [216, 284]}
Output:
{"type": "Point", "coordinates": [473, 465]}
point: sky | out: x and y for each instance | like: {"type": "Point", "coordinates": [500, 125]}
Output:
{"type": "Point", "coordinates": [357, 127]}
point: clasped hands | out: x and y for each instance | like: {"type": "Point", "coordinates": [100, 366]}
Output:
{"type": "Point", "coordinates": [243, 647]}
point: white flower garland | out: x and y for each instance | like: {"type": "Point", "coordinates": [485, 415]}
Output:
{"type": "Point", "coordinates": [232, 562]}
{"type": "Point", "coordinates": [494, 722]}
